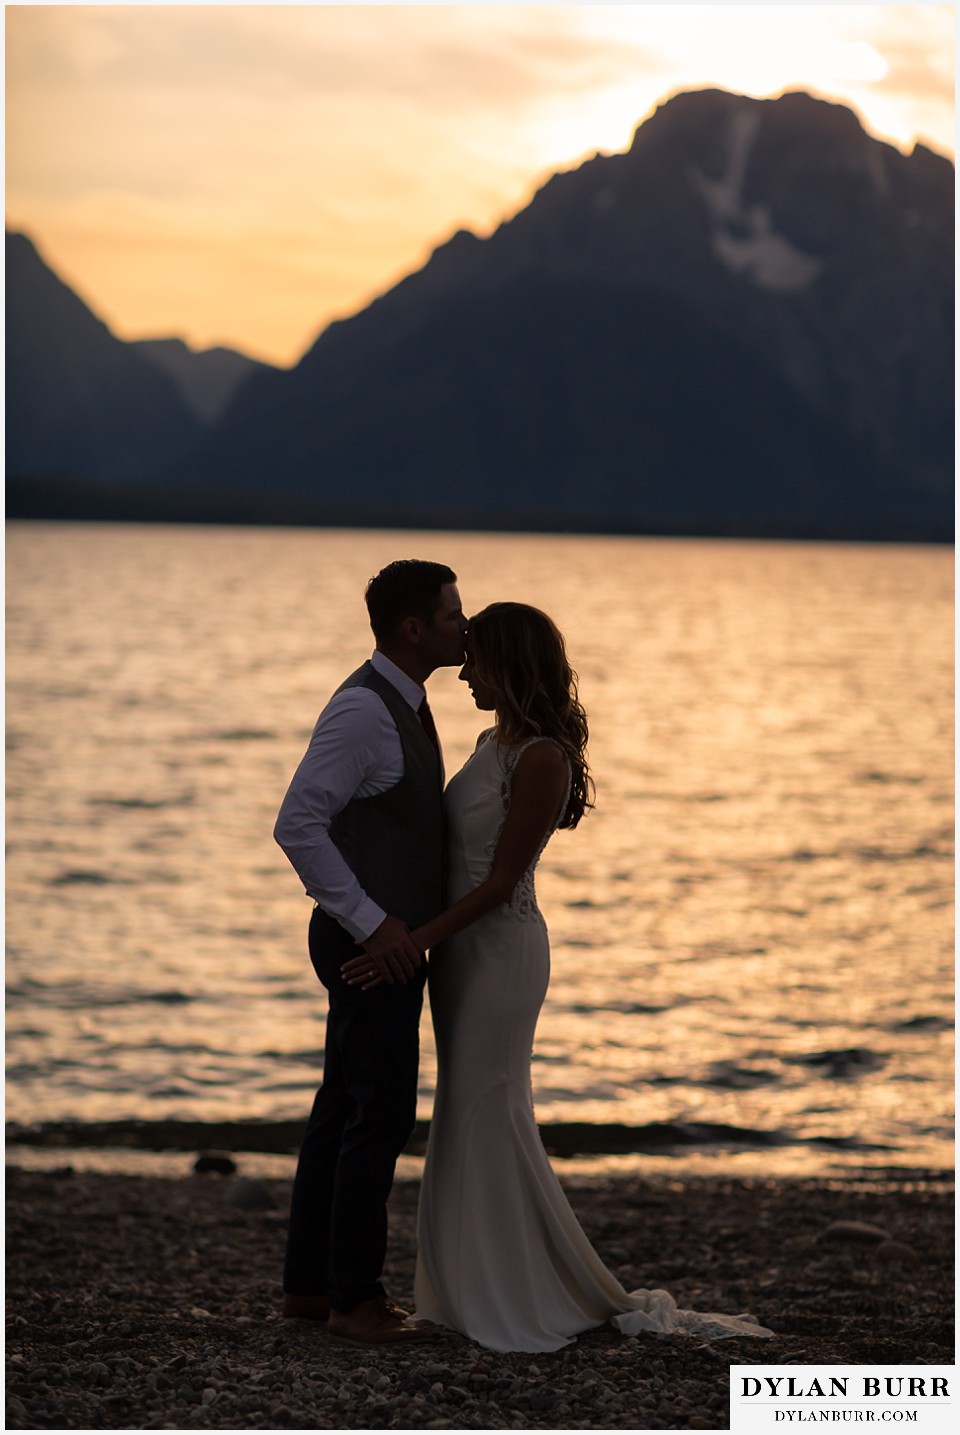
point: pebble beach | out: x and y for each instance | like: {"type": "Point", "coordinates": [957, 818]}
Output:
{"type": "Point", "coordinates": [148, 1302]}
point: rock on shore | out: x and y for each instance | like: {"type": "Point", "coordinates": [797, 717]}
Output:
{"type": "Point", "coordinates": [149, 1303]}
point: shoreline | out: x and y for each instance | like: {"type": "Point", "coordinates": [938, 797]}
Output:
{"type": "Point", "coordinates": [684, 1168]}
{"type": "Point", "coordinates": [56, 500]}
{"type": "Point", "coordinates": [596, 1145]}
{"type": "Point", "coordinates": [561, 1138]}
{"type": "Point", "coordinates": [148, 1302]}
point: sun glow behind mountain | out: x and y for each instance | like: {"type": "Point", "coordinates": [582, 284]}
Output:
{"type": "Point", "coordinates": [243, 174]}
{"type": "Point", "coordinates": [773, 49]}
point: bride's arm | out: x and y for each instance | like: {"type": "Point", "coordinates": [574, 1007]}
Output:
{"type": "Point", "coordinates": [537, 790]}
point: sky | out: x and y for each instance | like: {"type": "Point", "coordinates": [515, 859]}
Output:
{"type": "Point", "coordinates": [244, 174]}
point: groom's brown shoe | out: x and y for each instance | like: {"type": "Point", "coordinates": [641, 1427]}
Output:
{"type": "Point", "coordinates": [306, 1307]}
{"type": "Point", "coordinates": [317, 1308]}
{"type": "Point", "coordinates": [373, 1322]}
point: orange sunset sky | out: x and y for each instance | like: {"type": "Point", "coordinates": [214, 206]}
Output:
{"type": "Point", "coordinates": [243, 174]}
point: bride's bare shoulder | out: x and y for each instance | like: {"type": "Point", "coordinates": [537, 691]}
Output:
{"type": "Point", "coordinates": [542, 756]}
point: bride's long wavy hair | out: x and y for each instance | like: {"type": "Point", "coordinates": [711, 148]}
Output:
{"type": "Point", "coordinates": [520, 654]}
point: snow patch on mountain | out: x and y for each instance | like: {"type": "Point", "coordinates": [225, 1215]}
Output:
{"type": "Point", "coordinates": [744, 238]}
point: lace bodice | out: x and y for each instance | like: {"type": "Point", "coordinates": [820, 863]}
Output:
{"type": "Point", "coordinates": [477, 800]}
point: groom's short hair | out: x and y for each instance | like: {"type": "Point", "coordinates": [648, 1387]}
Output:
{"type": "Point", "coordinates": [408, 588]}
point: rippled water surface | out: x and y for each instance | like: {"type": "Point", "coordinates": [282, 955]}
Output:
{"type": "Point", "coordinates": [754, 927]}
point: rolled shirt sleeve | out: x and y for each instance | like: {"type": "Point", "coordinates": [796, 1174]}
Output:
{"type": "Point", "coordinates": [355, 751]}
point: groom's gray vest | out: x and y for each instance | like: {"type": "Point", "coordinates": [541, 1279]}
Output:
{"type": "Point", "coordinates": [394, 842]}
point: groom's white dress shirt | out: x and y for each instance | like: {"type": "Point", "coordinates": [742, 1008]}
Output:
{"type": "Point", "coordinates": [355, 751]}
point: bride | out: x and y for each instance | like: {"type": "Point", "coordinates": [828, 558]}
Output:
{"type": "Point", "coordinates": [502, 1258]}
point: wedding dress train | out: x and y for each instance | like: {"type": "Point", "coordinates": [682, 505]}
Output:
{"type": "Point", "coordinates": [502, 1258]}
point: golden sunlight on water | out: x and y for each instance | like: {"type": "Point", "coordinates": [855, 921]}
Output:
{"type": "Point", "coordinates": [752, 929]}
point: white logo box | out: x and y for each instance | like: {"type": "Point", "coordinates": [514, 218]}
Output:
{"type": "Point", "coordinates": [768, 1398]}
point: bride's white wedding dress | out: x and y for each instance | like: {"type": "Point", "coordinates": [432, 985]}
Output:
{"type": "Point", "coordinates": [502, 1258]}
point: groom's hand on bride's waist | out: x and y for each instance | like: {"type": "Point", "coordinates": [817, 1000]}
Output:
{"type": "Point", "coordinates": [389, 956]}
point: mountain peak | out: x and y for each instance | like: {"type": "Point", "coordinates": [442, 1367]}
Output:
{"type": "Point", "coordinates": [693, 109]}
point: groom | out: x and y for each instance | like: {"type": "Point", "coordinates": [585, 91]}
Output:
{"type": "Point", "coordinates": [362, 824]}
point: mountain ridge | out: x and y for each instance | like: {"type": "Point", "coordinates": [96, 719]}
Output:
{"type": "Point", "coordinates": [87, 405]}
{"type": "Point", "coordinates": [83, 404]}
{"type": "Point", "coordinates": [207, 378]}
{"type": "Point", "coordinates": [741, 324]}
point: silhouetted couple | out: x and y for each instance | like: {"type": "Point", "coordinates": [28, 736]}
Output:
{"type": "Point", "coordinates": [399, 866]}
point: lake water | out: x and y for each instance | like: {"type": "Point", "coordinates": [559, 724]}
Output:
{"type": "Point", "coordinates": [754, 927]}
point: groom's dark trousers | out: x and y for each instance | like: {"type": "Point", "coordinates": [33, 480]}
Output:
{"type": "Point", "coordinates": [362, 1118]}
